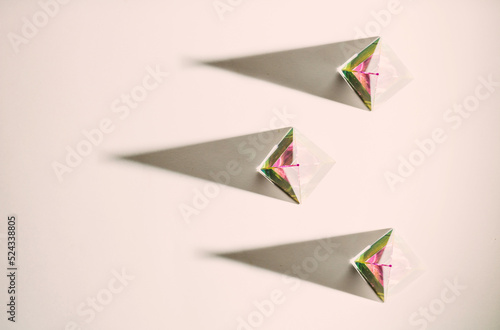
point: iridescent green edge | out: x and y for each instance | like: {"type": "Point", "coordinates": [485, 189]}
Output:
{"type": "Point", "coordinates": [353, 80]}
{"type": "Point", "coordinates": [365, 271]}
{"type": "Point", "coordinates": [362, 56]}
{"type": "Point", "coordinates": [358, 88]}
{"type": "Point", "coordinates": [271, 174]}
{"type": "Point", "coordinates": [282, 146]}
{"type": "Point", "coordinates": [280, 182]}
{"type": "Point", "coordinates": [371, 279]}
{"type": "Point", "coordinates": [377, 246]}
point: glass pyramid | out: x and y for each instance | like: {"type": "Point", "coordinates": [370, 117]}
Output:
{"type": "Point", "coordinates": [295, 165]}
{"type": "Point", "coordinates": [374, 264]}
{"type": "Point", "coordinates": [375, 73]}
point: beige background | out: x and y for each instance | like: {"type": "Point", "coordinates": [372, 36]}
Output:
{"type": "Point", "coordinates": [110, 215]}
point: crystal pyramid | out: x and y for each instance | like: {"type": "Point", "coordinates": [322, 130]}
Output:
{"type": "Point", "coordinates": [388, 265]}
{"type": "Point", "coordinates": [295, 165]}
{"type": "Point", "coordinates": [375, 263]}
{"type": "Point", "coordinates": [375, 73]}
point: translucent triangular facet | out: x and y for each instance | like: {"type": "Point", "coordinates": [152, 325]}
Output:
{"type": "Point", "coordinates": [314, 164]}
{"type": "Point", "coordinates": [374, 264]}
{"type": "Point", "coordinates": [406, 266]}
{"type": "Point", "coordinates": [393, 75]}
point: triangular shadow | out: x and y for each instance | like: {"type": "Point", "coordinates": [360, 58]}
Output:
{"type": "Point", "coordinates": [231, 161]}
{"type": "Point", "coordinates": [334, 272]}
{"type": "Point", "coordinates": [311, 70]}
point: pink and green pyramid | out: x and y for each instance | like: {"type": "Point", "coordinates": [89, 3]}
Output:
{"type": "Point", "coordinates": [375, 73]}
{"type": "Point", "coordinates": [374, 264]}
{"type": "Point", "coordinates": [295, 165]}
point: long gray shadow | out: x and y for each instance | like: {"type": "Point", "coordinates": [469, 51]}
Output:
{"type": "Point", "coordinates": [311, 70]}
{"type": "Point", "coordinates": [231, 161]}
{"type": "Point", "coordinates": [335, 272]}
